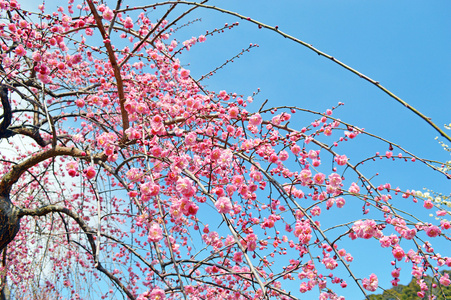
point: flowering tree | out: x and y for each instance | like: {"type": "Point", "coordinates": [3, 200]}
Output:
{"type": "Point", "coordinates": [138, 182]}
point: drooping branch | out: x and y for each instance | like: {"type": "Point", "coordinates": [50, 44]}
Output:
{"type": "Point", "coordinates": [41, 211]}
{"type": "Point", "coordinates": [17, 170]}
{"type": "Point", "coordinates": [234, 234]}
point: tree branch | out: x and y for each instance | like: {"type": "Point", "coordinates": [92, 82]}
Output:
{"type": "Point", "coordinates": [41, 211]}
{"type": "Point", "coordinates": [317, 51]}
{"type": "Point", "coordinates": [16, 171]}
{"type": "Point", "coordinates": [114, 65]}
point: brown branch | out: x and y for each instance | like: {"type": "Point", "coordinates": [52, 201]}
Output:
{"type": "Point", "coordinates": [17, 170]}
{"type": "Point", "coordinates": [114, 65]}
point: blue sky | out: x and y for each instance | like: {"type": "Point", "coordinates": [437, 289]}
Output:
{"type": "Point", "coordinates": [405, 45]}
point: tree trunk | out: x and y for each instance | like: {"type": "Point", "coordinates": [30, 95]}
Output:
{"type": "Point", "coordinates": [5, 293]}
{"type": "Point", "coordinates": [9, 221]}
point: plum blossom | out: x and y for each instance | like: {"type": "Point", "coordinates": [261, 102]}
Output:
{"type": "Point", "coordinates": [366, 229]}
{"type": "Point", "coordinates": [319, 178]}
{"type": "Point", "coordinates": [150, 189]}
{"type": "Point", "coordinates": [295, 149]}
{"type": "Point", "coordinates": [312, 154]}
{"type": "Point", "coordinates": [354, 188]}
{"type": "Point", "coordinates": [223, 205]}
{"type": "Point", "coordinates": [190, 138]}
{"type": "Point", "coordinates": [398, 253]}
{"type": "Point", "coordinates": [330, 263]}
{"type": "Point", "coordinates": [185, 187]}
{"type": "Point", "coordinates": [395, 273]}
{"type": "Point", "coordinates": [255, 120]}
{"type": "Point", "coordinates": [283, 155]}
{"type": "Point", "coordinates": [251, 242]}
{"type": "Point", "coordinates": [90, 172]}
{"type": "Point", "coordinates": [108, 14]}
{"type": "Point", "coordinates": [20, 50]}
{"type": "Point", "coordinates": [444, 280]}
{"type": "Point", "coordinates": [128, 23]}
{"type": "Point", "coordinates": [184, 73]}
{"type": "Point", "coordinates": [341, 160]}
{"type": "Point", "coordinates": [305, 177]}
{"type": "Point", "coordinates": [335, 180]}
{"type": "Point", "coordinates": [233, 112]}
{"type": "Point", "coordinates": [340, 202]}
{"type": "Point", "coordinates": [72, 168]}
{"type": "Point", "coordinates": [432, 231]}
{"type": "Point", "coordinates": [155, 294]}
{"type": "Point", "coordinates": [155, 233]}
{"type": "Point", "coordinates": [370, 284]}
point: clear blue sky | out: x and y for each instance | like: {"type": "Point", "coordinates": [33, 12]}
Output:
{"type": "Point", "coordinates": [405, 45]}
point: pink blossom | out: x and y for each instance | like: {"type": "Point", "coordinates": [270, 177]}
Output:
{"type": "Point", "coordinates": [202, 39]}
{"type": "Point", "coordinates": [223, 205]}
{"type": "Point", "coordinates": [354, 189]}
{"type": "Point", "coordinates": [365, 229]}
{"type": "Point", "coordinates": [295, 149]}
{"type": "Point", "coordinates": [341, 160]}
{"type": "Point", "coordinates": [157, 294]}
{"type": "Point", "coordinates": [255, 120]}
{"type": "Point", "coordinates": [155, 233]}
{"type": "Point", "coordinates": [184, 74]}
{"type": "Point", "coordinates": [340, 202]}
{"type": "Point", "coordinates": [428, 204]}
{"type": "Point", "coordinates": [90, 172]}
{"type": "Point", "coordinates": [330, 263]}
{"type": "Point", "coordinates": [238, 257]}
{"type": "Point", "coordinates": [157, 123]}
{"type": "Point", "coordinates": [36, 56]}
{"type": "Point", "coordinates": [441, 213]}
{"type": "Point", "coordinates": [150, 189]}
{"type": "Point", "coordinates": [319, 178]}
{"type": "Point", "coordinates": [432, 231]}
{"type": "Point", "coordinates": [370, 284]}
{"type": "Point", "coordinates": [188, 207]}
{"type": "Point", "coordinates": [80, 103]}
{"type": "Point", "coordinates": [398, 253]}
{"type": "Point", "coordinates": [395, 272]}
{"type": "Point", "coordinates": [283, 155]}
{"type": "Point", "coordinates": [128, 23]}
{"type": "Point", "coordinates": [305, 177]}
{"type": "Point", "coordinates": [316, 211]}
{"type": "Point", "coordinates": [190, 138]}
{"type": "Point", "coordinates": [72, 168]}
{"type": "Point", "coordinates": [335, 180]}
{"type": "Point", "coordinates": [444, 280]}
{"type": "Point", "coordinates": [20, 50]}
{"type": "Point", "coordinates": [251, 242]}
{"type": "Point", "coordinates": [233, 112]}
{"type": "Point", "coordinates": [108, 15]}
{"type": "Point", "coordinates": [312, 154]}
{"type": "Point", "coordinates": [316, 162]}
{"type": "Point", "coordinates": [185, 187]}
